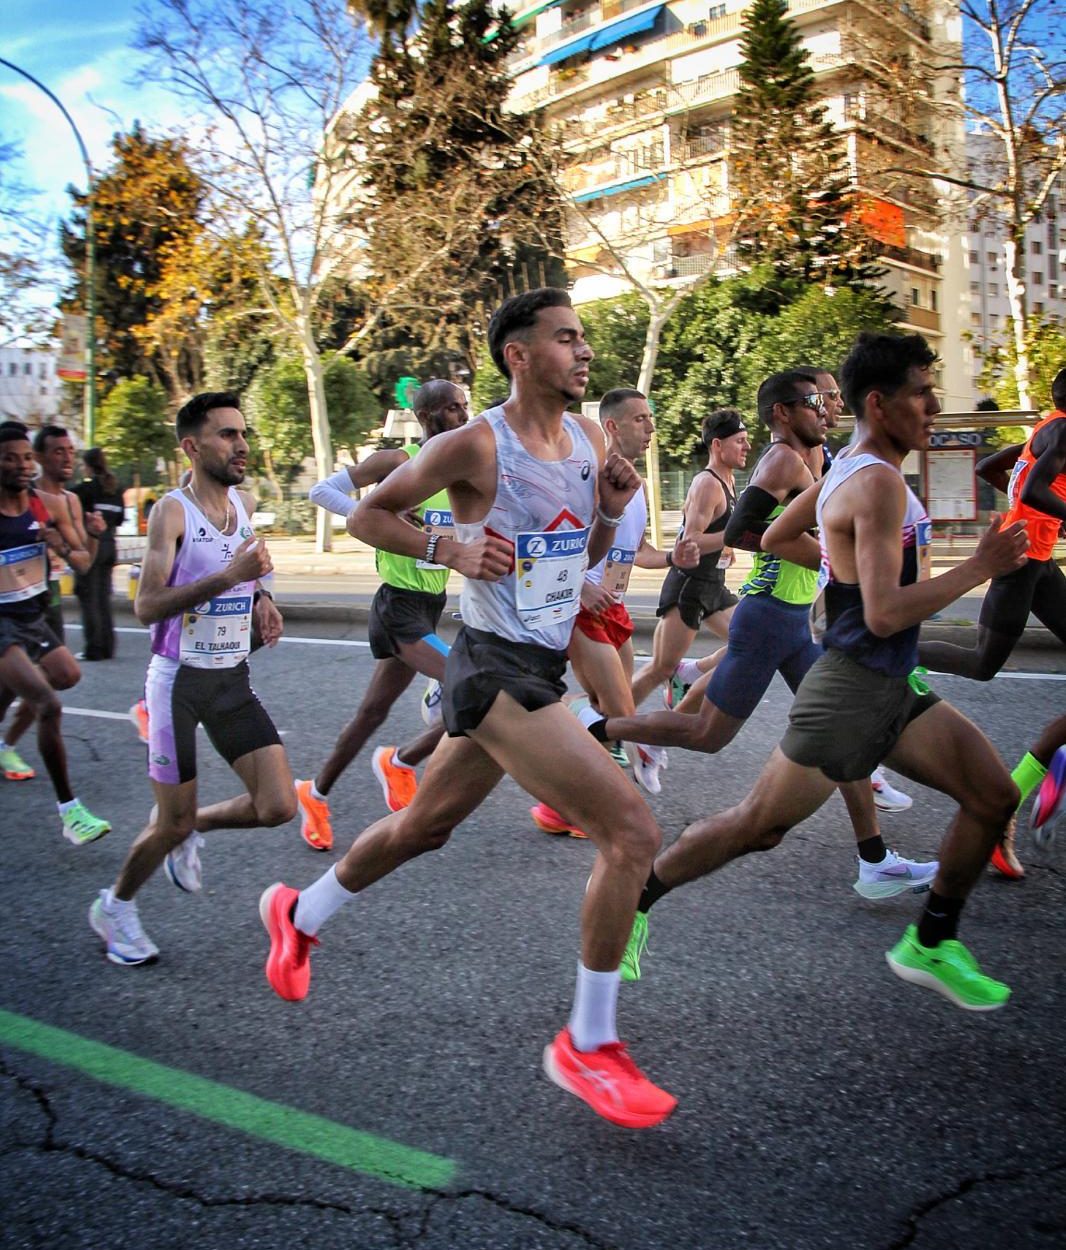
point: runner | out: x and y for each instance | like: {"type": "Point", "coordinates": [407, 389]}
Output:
{"type": "Point", "coordinates": [1037, 497]}
{"type": "Point", "coordinates": [54, 453]}
{"type": "Point", "coordinates": [199, 592]}
{"type": "Point", "coordinates": [859, 704]}
{"type": "Point", "coordinates": [403, 624]}
{"type": "Point", "coordinates": [601, 650]}
{"type": "Point", "coordinates": [698, 596]}
{"type": "Point", "coordinates": [770, 633]}
{"type": "Point", "coordinates": [34, 664]}
{"type": "Point", "coordinates": [530, 486]}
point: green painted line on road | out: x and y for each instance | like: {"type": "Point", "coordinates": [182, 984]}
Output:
{"type": "Point", "coordinates": [274, 1122]}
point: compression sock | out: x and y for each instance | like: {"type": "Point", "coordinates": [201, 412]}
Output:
{"type": "Point", "coordinates": [688, 671]}
{"type": "Point", "coordinates": [592, 1018]}
{"type": "Point", "coordinates": [940, 920]}
{"type": "Point", "coordinates": [652, 892]}
{"type": "Point", "coordinates": [319, 901]}
{"type": "Point", "coordinates": [1028, 774]}
{"type": "Point", "coordinates": [316, 793]}
{"type": "Point", "coordinates": [871, 850]}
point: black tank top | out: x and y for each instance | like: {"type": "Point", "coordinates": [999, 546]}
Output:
{"type": "Point", "coordinates": [21, 547]}
{"type": "Point", "coordinates": [707, 570]}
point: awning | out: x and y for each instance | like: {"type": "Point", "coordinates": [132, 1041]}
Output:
{"type": "Point", "coordinates": [593, 41]}
{"type": "Point", "coordinates": [690, 227]}
{"type": "Point", "coordinates": [633, 184]}
{"type": "Point", "coordinates": [518, 20]}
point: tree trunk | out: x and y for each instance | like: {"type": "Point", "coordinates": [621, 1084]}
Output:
{"type": "Point", "coordinates": [656, 320]}
{"type": "Point", "coordinates": [1014, 255]}
{"type": "Point", "coordinates": [320, 434]}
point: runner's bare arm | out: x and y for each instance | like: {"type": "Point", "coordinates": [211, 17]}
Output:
{"type": "Point", "coordinates": [463, 462]}
{"type": "Point", "coordinates": [616, 485]}
{"type": "Point", "coordinates": [155, 599]}
{"type": "Point", "coordinates": [1037, 492]}
{"type": "Point", "coordinates": [995, 469]}
{"type": "Point", "coordinates": [61, 535]}
{"type": "Point", "coordinates": [789, 535]}
{"type": "Point", "coordinates": [704, 503]}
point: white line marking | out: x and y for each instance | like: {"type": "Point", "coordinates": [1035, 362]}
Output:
{"type": "Point", "coordinates": [90, 711]}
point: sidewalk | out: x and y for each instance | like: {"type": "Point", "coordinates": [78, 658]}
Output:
{"type": "Point", "coordinates": [337, 586]}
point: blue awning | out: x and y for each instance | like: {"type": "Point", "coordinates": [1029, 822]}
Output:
{"type": "Point", "coordinates": [624, 27]}
{"type": "Point", "coordinates": [601, 193]}
{"type": "Point", "coordinates": [592, 41]}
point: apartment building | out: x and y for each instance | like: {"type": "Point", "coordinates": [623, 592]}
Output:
{"type": "Point", "coordinates": [640, 95]}
{"type": "Point", "coordinates": [30, 389]}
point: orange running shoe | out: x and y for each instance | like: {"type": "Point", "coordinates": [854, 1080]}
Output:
{"type": "Point", "coordinates": [398, 781]}
{"type": "Point", "coordinates": [288, 966]}
{"type": "Point", "coordinates": [609, 1081]}
{"type": "Point", "coordinates": [315, 828]}
{"type": "Point", "coordinates": [1004, 860]}
{"type": "Point", "coordinates": [139, 716]}
{"type": "Point", "coordinates": [548, 819]}
{"type": "Point", "coordinates": [14, 766]}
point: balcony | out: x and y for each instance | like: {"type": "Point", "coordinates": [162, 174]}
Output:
{"type": "Point", "coordinates": [923, 318]}
{"type": "Point", "coordinates": [878, 126]}
{"type": "Point", "coordinates": [911, 256]}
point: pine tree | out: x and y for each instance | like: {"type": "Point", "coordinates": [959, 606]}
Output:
{"type": "Point", "coordinates": [788, 167]}
{"type": "Point", "coordinates": [452, 210]}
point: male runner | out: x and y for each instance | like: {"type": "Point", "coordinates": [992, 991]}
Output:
{"type": "Point", "coordinates": [535, 499]}
{"type": "Point", "coordinates": [403, 624]}
{"type": "Point", "coordinates": [692, 597]}
{"type": "Point", "coordinates": [54, 453]}
{"type": "Point", "coordinates": [857, 704]}
{"type": "Point", "coordinates": [770, 633]}
{"type": "Point", "coordinates": [198, 591]}
{"type": "Point", "coordinates": [601, 650]}
{"type": "Point", "coordinates": [34, 664]}
{"type": "Point", "coordinates": [1037, 497]}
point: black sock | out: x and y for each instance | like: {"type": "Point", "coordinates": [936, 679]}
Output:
{"type": "Point", "coordinates": [652, 892]}
{"type": "Point", "coordinates": [598, 729]}
{"type": "Point", "coordinates": [871, 850]}
{"type": "Point", "coordinates": [940, 920]}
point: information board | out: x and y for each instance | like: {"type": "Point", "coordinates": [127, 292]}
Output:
{"type": "Point", "coordinates": [950, 485]}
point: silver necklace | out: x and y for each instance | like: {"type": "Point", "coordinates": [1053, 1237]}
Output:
{"type": "Point", "coordinates": [225, 521]}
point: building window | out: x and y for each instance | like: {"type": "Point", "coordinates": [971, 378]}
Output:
{"type": "Point", "coordinates": [993, 288]}
{"type": "Point", "coordinates": [1036, 247]}
{"type": "Point", "coordinates": [975, 288]}
{"type": "Point", "coordinates": [1052, 290]}
{"type": "Point", "coordinates": [716, 10]}
{"type": "Point", "coordinates": [1038, 307]}
{"type": "Point", "coordinates": [916, 297]}
{"type": "Point", "coordinates": [1053, 268]}
{"type": "Point", "coordinates": [27, 369]}
{"type": "Point", "coordinates": [991, 258]}
{"type": "Point", "coordinates": [932, 300]}
{"type": "Point", "coordinates": [1038, 279]}
{"type": "Point", "coordinates": [1052, 238]}
{"type": "Point", "coordinates": [975, 319]}
{"type": "Point", "coordinates": [12, 369]}
{"type": "Point", "coordinates": [975, 259]}
{"type": "Point", "coordinates": [993, 321]}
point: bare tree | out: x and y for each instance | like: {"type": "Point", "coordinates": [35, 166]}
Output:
{"type": "Point", "coordinates": [1013, 66]}
{"type": "Point", "coordinates": [266, 80]}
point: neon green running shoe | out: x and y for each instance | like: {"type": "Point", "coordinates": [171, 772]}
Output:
{"type": "Point", "coordinates": [618, 754]}
{"type": "Point", "coordinates": [635, 947]}
{"type": "Point", "coordinates": [949, 969]}
{"type": "Point", "coordinates": [14, 767]}
{"type": "Point", "coordinates": [81, 826]}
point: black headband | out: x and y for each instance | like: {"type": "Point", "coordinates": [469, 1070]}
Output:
{"type": "Point", "coordinates": [726, 427]}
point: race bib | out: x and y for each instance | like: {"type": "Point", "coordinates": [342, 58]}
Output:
{"type": "Point", "coordinates": [217, 634]}
{"type": "Point", "coordinates": [550, 569]}
{"type": "Point", "coordinates": [923, 546]}
{"type": "Point", "coordinates": [436, 521]}
{"type": "Point", "coordinates": [617, 571]}
{"type": "Point", "coordinates": [23, 573]}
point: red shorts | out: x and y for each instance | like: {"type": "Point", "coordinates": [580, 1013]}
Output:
{"type": "Point", "coordinates": [615, 626]}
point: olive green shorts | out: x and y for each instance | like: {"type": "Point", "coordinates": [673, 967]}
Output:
{"type": "Point", "coordinates": [846, 719]}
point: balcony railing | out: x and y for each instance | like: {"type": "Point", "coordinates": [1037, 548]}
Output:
{"type": "Point", "coordinates": [923, 318]}
{"type": "Point", "coordinates": [911, 256]}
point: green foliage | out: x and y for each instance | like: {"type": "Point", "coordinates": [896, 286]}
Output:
{"type": "Point", "coordinates": [615, 328]}
{"type": "Point", "coordinates": [1046, 345]}
{"type": "Point", "coordinates": [788, 166]}
{"type": "Point", "coordinates": [278, 408]}
{"type": "Point", "coordinates": [134, 427]}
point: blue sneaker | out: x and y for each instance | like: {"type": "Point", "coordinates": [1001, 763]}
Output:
{"type": "Point", "coordinates": [1049, 799]}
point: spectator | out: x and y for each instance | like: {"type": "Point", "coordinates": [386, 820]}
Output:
{"type": "Point", "coordinates": [100, 494]}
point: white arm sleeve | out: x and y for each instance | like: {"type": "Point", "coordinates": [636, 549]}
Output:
{"type": "Point", "coordinates": [334, 494]}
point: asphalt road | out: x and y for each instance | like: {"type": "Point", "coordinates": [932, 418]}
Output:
{"type": "Point", "coordinates": [823, 1103]}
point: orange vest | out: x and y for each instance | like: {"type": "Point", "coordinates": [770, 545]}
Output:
{"type": "Point", "coordinates": [1042, 530]}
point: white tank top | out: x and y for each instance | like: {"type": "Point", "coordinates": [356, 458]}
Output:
{"type": "Point", "coordinates": [544, 508]}
{"type": "Point", "coordinates": [218, 632]}
{"type": "Point", "coordinates": [614, 570]}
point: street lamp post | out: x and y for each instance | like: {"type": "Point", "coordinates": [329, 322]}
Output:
{"type": "Point", "coordinates": [90, 256]}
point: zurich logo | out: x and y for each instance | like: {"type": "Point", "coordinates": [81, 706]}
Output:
{"type": "Point", "coordinates": [537, 547]}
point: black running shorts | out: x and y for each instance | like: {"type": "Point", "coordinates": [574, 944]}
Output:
{"type": "Point", "coordinates": [401, 616]}
{"type": "Point", "coordinates": [695, 599]}
{"type": "Point", "coordinates": [481, 664]}
{"type": "Point", "coordinates": [31, 634]}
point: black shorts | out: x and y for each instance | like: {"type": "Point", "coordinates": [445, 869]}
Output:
{"type": "Point", "coordinates": [1039, 586]}
{"type": "Point", "coordinates": [32, 634]}
{"type": "Point", "coordinates": [53, 614]}
{"type": "Point", "coordinates": [846, 719]}
{"type": "Point", "coordinates": [401, 616]}
{"type": "Point", "coordinates": [481, 664]}
{"type": "Point", "coordinates": [695, 599]}
{"type": "Point", "coordinates": [221, 699]}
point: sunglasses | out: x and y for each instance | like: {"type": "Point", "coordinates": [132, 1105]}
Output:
{"type": "Point", "coordinates": [833, 395]}
{"type": "Point", "coordinates": [808, 401]}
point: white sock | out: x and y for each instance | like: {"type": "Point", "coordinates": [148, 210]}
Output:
{"type": "Point", "coordinates": [65, 807]}
{"type": "Point", "coordinates": [592, 1018]}
{"type": "Point", "coordinates": [3, 745]}
{"type": "Point", "coordinates": [319, 901]}
{"type": "Point", "coordinates": [395, 760]}
{"type": "Point", "coordinates": [316, 795]}
{"type": "Point", "coordinates": [688, 671]}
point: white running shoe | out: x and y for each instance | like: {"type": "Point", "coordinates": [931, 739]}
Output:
{"type": "Point", "coordinates": [886, 797]}
{"type": "Point", "coordinates": [647, 763]}
{"type": "Point", "coordinates": [183, 865]}
{"type": "Point", "coordinates": [894, 875]}
{"type": "Point", "coordinates": [431, 700]}
{"type": "Point", "coordinates": [119, 926]}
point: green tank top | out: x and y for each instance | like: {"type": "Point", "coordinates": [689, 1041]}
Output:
{"type": "Point", "coordinates": [406, 572]}
{"type": "Point", "coordinates": [781, 579]}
